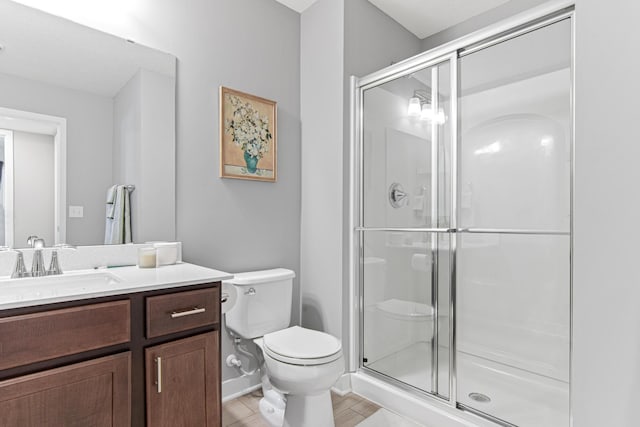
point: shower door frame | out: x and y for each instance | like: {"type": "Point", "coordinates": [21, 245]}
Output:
{"type": "Point", "coordinates": [451, 52]}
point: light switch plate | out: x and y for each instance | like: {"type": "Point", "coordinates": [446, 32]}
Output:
{"type": "Point", "coordinates": [76, 211]}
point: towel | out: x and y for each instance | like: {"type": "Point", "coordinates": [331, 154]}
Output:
{"type": "Point", "coordinates": [118, 216]}
{"type": "Point", "coordinates": [111, 201]}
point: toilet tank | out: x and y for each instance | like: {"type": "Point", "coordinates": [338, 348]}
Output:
{"type": "Point", "coordinates": [263, 304]}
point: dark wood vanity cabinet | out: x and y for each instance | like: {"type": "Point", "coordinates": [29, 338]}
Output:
{"type": "Point", "coordinates": [149, 358]}
{"type": "Point", "coordinates": [92, 393]}
{"type": "Point", "coordinates": [182, 382]}
{"type": "Point", "coordinates": [183, 376]}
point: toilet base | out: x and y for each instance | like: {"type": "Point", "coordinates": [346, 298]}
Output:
{"type": "Point", "coordinates": [272, 414]}
{"type": "Point", "coordinates": [273, 403]}
{"type": "Point", "coordinates": [309, 411]}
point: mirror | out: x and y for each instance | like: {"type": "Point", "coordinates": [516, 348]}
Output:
{"type": "Point", "coordinates": [81, 111]}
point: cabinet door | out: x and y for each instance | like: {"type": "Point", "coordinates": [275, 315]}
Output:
{"type": "Point", "coordinates": [94, 393]}
{"type": "Point", "coordinates": [183, 382]}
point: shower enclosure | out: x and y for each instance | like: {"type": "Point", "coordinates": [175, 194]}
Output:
{"type": "Point", "coordinates": [462, 223]}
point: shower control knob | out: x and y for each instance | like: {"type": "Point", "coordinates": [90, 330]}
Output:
{"type": "Point", "coordinates": [397, 196]}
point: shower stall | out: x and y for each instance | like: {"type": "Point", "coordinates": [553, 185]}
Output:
{"type": "Point", "coordinates": [462, 216]}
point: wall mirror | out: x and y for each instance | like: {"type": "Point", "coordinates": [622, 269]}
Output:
{"type": "Point", "coordinates": [79, 112]}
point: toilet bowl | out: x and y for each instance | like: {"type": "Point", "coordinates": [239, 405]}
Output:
{"type": "Point", "coordinates": [301, 364]}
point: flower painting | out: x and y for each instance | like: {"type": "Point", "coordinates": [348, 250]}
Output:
{"type": "Point", "coordinates": [247, 136]}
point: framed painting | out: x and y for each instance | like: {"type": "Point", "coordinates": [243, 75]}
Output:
{"type": "Point", "coordinates": [247, 136]}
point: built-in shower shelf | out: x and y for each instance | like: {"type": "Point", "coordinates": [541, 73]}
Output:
{"type": "Point", "coordinates": [407, 309]}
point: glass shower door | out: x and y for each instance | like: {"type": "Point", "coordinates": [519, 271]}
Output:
{"type": "Point", "coordinates": [405, 208]}
{"type": "Point", "coordinates": [513, 249]}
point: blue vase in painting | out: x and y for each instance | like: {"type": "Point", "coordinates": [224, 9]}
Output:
{"type": "Point", "coordinates": [252, 162]}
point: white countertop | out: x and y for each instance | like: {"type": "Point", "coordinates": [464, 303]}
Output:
{"type": "Point", "coordinates": [73, 285]}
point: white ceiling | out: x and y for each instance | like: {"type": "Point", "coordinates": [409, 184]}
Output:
{"type": "Point", "coordinates": [297, 5]}
{"type": "Point", "coordinates": [421, 17]}
{"type": "Point", "coordinates": [45, 48]}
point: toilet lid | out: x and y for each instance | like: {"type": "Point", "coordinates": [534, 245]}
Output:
{"type": "Point", "coordinates": [302, 346]}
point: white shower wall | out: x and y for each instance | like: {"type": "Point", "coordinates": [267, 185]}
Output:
{"type": "Point", "coordinates": [397, 151]}
{"type": "Point", "coordinates": [513, 279]}
{"type": "Point", "coordinates": [514, 289]}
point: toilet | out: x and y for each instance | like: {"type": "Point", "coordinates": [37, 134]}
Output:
{"type": "Point", "coordinates": [301, 364]}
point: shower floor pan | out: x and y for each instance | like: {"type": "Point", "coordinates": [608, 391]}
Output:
{"type": "Point", "coordinates": [515, 395]}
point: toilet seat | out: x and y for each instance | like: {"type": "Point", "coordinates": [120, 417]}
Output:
{"type": "Point", "coordinates": [301, 346]}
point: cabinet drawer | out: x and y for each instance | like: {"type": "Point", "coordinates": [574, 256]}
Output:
{"type": "Point", "coordinates": [41, 336]}
{"type": "Point", "coordinates": [181, 311]}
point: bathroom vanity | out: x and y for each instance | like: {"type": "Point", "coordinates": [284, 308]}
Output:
{"type": "Point", "coordinates": [142, 350]}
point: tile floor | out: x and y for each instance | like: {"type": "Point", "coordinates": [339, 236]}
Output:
{"type": "Point", "coordinates": [348, 410]}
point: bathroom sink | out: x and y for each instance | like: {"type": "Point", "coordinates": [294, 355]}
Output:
{"type": "Point", "coordinates": [74, 283]}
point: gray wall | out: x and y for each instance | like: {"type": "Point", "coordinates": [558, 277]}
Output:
{"type": "Point", "coordinates": [372, 40]}
{"type": "Point", "coordinates": [606, 345]}
{"type": "Point", "coordinates": [157, 196]}
{"type": "Point", "coordinates": [322, 186]}
{"type": "Point", "coordinates": [144, 153]}
{"type": "Point", "coordinates": [89, 144]}
{"type": "Point", "coordinates": [252, 46]}
{"type": "Point", "coordinates": [248, 45]}
{"type": "Point", "coordinates": [478, 22]}
{"type": "Point", "coordinates": [127, 111]}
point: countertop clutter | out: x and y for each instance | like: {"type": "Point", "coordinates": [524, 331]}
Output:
{"type": "Point", "coordinates": [101, 282]}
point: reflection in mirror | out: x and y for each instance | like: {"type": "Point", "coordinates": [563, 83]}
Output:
{"type": "Point", "coordinates": [82, 111]}
{"type": "Point", "coordinates": [6, 145]}
{"type": "Point", "coordinates": [33, 178]}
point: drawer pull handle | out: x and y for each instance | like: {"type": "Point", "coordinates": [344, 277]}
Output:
{"type": "Point", "coordinates": [158, 374]}
{"type": "Point", "coordinates": [188, 312]}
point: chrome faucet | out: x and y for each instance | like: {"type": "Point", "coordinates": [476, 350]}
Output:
{"type": "Point", "coordinates": [37, 265]}
{"type": "Point", "coordinates": [35, 242]}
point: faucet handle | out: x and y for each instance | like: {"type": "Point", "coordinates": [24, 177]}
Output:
{"type": "Point", "coordinates": [20, 270]}
{"type": "Point", "coordinates": [54, 266]}
{"type": "Point", "coordinates": [37, 265]}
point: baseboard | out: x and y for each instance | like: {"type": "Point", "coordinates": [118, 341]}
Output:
{"type": "Point", "coordinates": [239, 386]}
{"type": "Point", "coordinates": [343, 385]}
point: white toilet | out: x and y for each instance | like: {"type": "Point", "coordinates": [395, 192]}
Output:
{"type": "Point", "coordinates": [301, 363]}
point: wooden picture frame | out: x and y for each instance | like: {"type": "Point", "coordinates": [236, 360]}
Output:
{"type": "Point", "coordinates": [248, 142]}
